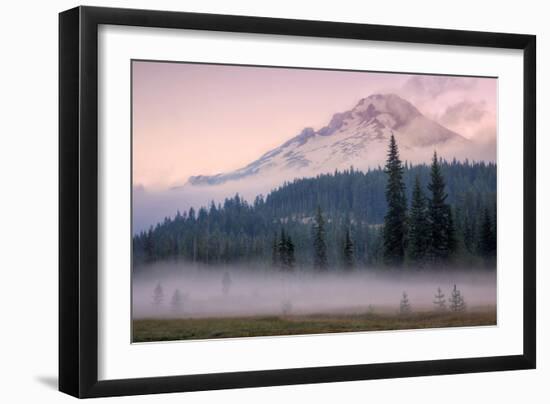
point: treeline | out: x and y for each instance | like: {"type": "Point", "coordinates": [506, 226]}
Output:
{"type": "Point", "coordinates": [340, 220]}
{"type": "Point", "coordinates": [362, 194]}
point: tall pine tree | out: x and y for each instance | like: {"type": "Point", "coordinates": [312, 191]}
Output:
{"type": "Point", "coordinates": [396, 216]}
{"type": "Point", "coordinates": [418, 226]}
{"type": "Point", "coordinates": [441, 241]}
{"type": "Point", "coordinates": [320, 260]}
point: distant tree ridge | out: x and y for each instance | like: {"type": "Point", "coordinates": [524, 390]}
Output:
{"type": "Point", "coordinates": [351, 207]}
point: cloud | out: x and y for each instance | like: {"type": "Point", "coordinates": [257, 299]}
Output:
{"type": "Point", "coordinates": [465, 105]}
{"type": "Point", "coordinates": [434, 86]}
{"type": "Point", "coordinates": [463, 111]}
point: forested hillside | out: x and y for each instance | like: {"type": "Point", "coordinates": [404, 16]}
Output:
{"type": "Point", "coordinates": [352, 206]}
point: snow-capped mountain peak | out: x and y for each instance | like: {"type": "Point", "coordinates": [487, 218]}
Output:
{"type": "Point", "coordinates": [357, 137]}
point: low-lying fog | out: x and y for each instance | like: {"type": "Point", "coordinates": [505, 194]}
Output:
{"type": "Point", "coordinates": [179, 289]}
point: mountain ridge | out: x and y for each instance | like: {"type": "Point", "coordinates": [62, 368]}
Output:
{"type": "Point", "coordinates": [357, 137]}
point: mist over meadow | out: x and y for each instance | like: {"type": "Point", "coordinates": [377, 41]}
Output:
{"type": "Point", "coordinates": [186, 290]}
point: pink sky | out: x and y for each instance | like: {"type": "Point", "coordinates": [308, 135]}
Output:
{"type": "Point", "coordinates": [191, 119]}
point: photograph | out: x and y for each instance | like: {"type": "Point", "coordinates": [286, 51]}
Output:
{"type": "Point", "coordinates": [276, 201]}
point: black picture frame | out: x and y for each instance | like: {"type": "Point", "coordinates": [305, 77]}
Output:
{"type": "Point", "coordinates": [78, 201]}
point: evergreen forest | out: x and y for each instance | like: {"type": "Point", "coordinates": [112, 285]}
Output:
{"type": "Point", "coordinates": [436, 215]}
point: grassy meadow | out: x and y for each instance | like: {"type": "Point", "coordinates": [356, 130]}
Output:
{"type": "Point", "coordinates": [147, 330]}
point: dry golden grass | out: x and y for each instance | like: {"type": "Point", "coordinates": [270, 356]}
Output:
{"type": "Point", "coordinates": [207, 328]}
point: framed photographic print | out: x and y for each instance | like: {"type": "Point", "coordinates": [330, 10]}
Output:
{"type": "Point", "coordinates": [250, 201]}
